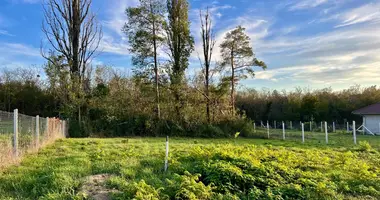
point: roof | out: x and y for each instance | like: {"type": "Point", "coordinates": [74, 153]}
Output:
{"type": "Point", "coordinates": [373, 109]}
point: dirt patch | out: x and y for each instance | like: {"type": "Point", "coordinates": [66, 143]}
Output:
{"type": "Point", "coordinates": [94, 187]}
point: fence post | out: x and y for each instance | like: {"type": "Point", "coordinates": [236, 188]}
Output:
{"type": "Point", "coordinates": [283, 131]}
{"type": "Point", "coordinates": [166, 153]}
{"type": "Point", "coordinates": [333, 127]}
{"type": "Point", "coordinates": [348, 127]}
{"type": "Point", "coordinates": [47, 128]}
{"type": "Point", "coordinates": [326, 133]}
{"type": "Point", "coordinates": [15, 132]}
{"type": "Point", "coordinates": [322, 127]}
{"type": "Point", "coordinates": [268, 129]}
{"type": "Point", "coordinates": [37, 136]}
{"type": "Point", "coordinates": [275, 124]}
{"type": "Point", "coordinates": [254, 127]}
{"type": "Point", "coordinates": [379, 127]}
{"type": "Point", "coordinates": [310, 127]}
{"type": "Point", "coordinates": [354, 131]}
{"type": "Point", "coordinates": [303, 133]}
{"type": "Point", "coordinates": [291, 125]}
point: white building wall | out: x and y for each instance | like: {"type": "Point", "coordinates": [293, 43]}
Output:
{"type": "Point", "coordinates": [372, 123]}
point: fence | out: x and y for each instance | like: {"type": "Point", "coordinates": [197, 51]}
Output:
{"type": "Point", "coordinates": [20, 134]}
{"type": "Point", "coordinates": [320, 132]}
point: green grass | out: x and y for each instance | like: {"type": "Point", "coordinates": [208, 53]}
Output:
{"type": "Point", "coordinates": [201, 169]}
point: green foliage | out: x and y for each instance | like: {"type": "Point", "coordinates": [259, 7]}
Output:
{"type": "Point", "coordinates": [364, 146]}
{"type": "Point", "coordinates": [206, 169]}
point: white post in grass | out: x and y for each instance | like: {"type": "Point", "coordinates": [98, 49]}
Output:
{"type": "Point", "coordinates": [268, 129]}
{"type": "Point", "coordinates": [326, 133]}
{"type": "Point", "coordinates": [167, 153]}
{"type": "Point", "coordinates": [303, 133]}
{"type": "Point", "coordinates": [15, 132]}
{"type": "Point", "coordinates": [354, 131]}
{"type": "Point", "coordinates": [283, 130]}
{"type": "Point", "coordinates": [348, 127]}
{"type": "Point", "coordinates": [37, 136]}
{"type": "Point", "coordinates": [254, 127]}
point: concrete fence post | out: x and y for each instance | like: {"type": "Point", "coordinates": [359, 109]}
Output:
{"type": "Point", "coordinates": [291, 125]}
{"type": "Point", "coordinates": [15, 133]}
{"type": "Point", "coordinates": [268, 129]}
{"type": "Point", "coordinates": [348, 127]}
{"type": "Point", "coordinates": [283, 130]}
{"type": "Point", "coordinates": [275, 124]}
{"type": "Point", "coordinates": [354, 131]}
{"type": "Point", "coordinates": [254, 127]}
{"type": "Point", "coordinates": [326, 133]}
{"type": "Point", "coordinates": [37, 136]}
{"type": "Point", "coordinates": [303, 133]}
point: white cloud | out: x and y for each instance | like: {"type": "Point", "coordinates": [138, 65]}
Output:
{"type": "Point", "coordinates": [366, 13]}
{"type": "Point", "coordinates": [6, 33]}
{"type": "Point", "coordinates": [18, 49]}
{"type": "Point", "coordinates": [307, 4]}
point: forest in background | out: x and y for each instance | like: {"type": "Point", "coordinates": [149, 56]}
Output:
{"type": "Point", "coordinates": [120, 105]}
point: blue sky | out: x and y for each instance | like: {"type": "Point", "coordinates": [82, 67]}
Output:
{"type": "Point", "coordinates": [307, 43]}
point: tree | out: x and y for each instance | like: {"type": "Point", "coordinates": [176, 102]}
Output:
{"type": "Point", "coordinates": [208, 43]}
{"type": "Point", "coordinates": [180, 45]}
{"type": "Point", "coordinates": [71, 30]}
{"type": "Point", "coordinates": [237, 53]}
{"type": "Point", "coordinates": [145, 32]}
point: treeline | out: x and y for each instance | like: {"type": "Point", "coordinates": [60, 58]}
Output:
{"type": "Point", "coordinates": [159, 98]}
{"type": "Point", "coordinates": [306, 105]}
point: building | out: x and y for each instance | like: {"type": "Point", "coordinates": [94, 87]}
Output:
{"type": "Point", "coordinates": [371, 119]}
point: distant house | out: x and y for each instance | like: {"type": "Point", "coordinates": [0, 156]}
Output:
{"type": "Point", "coordinates": [371, 119]}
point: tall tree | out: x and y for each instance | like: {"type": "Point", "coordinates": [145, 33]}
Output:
{"type": "Point", "coordinates": [180, 44]}
{"type": "Point", "coordinates": [236, 51]}
{"type": "Point", "coordinates": [72, 31]}
{"type": "Point", "coordinates": [145, 32]}
{"type": "Point", "coordinates": [208, 43]}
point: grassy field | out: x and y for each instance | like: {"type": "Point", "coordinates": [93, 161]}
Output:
{"type": "Point", "coordinates": [198, 169]}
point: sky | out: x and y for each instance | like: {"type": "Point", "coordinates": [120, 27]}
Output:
{"type": "Point", "coordinates": [305, 43]}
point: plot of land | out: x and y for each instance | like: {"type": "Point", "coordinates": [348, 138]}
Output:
{"type": "Point", "coordinates": [198, 169]}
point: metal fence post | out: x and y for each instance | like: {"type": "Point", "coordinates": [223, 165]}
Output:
{"type": "Point", "coordinates": [310, 127]}
{"type": "Point", "coordinates": [283, 131]}
{"type": "Point", "coordinates": [15, 133]}
{"type": "Point", "coordinates": [47, 127]}
{"type": "Point", "coordinates": [291, 125]}
{"type": "Point", "coordinates": [333, 127]}
{"type": "Point", "coordinates": [303, 133]}
{"type": "Point", "coordinates": [354, 131]}
{"type": "Point", "coordinates": [268, 129]}
{"type": "Point", "coordinates": [167, 153]}
{"type": "Point", "coordinates": [348, 127]}
{"type": "Point", "coordinates": [254, 127]}
{"type": "Point", "coordinates": [275, 124]}
{"type": "Point", "coordinates": [326, 133]}
{"type": "Point", "coordinates": [322, 127]}
{"type": "Point", "coordinates": [37, 136]}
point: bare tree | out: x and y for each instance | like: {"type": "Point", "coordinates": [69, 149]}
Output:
{"type": "Point", "coordinates": [73, 31]}
{"type": "Point", "coordinates": [208, 43]}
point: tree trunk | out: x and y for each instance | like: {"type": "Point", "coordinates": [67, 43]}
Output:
{"type": "Point", "coordinates": [75, 35]}
{"type": "Point", "coordinates": [156, 69]}
{"type": "Point", "coordinates": [232, 84]}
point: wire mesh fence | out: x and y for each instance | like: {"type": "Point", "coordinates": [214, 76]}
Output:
{"type": "Point", "coordinates": [315, 132]}
{"type": "Point", "coordinates": [20, 134]}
